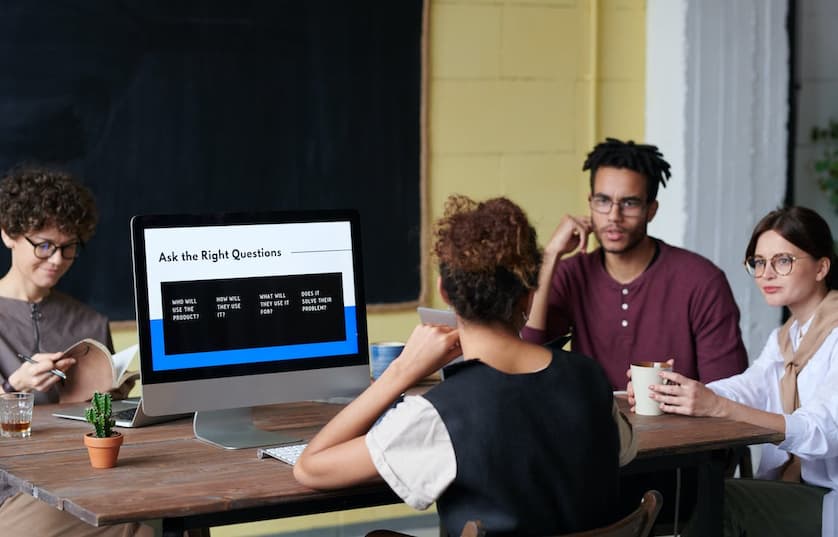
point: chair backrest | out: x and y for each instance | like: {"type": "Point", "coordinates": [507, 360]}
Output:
{"type": "Point", "coordinates": [638, 524]}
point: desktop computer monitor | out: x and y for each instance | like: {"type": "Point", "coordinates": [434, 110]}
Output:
{"type": "Point", "coordinates": [242, 310]}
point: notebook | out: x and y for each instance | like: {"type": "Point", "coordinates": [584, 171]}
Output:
{"type": "Point", "coordinates": [435, 316]}
{"type": "Point", "coordinates": [126, 413]}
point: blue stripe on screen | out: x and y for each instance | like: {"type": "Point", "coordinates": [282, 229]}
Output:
{"type": "Point", "coordinates": [163, 362]}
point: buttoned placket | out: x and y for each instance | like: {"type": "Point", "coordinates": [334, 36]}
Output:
{"type": "Point", "coordinates": [624, 306]}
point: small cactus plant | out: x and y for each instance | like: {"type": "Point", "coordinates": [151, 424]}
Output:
{"type": "Point", "coordinates": [99, 415]}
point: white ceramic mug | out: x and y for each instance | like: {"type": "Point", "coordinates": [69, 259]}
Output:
{"type": "Point", "coordinates": [642, 375]}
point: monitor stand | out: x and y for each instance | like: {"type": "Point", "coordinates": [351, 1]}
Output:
{"type": "Point", "coordinates": [233, 429]}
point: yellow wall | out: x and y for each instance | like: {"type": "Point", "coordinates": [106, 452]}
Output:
{"type": "Point", "coordinates": [520, 90]}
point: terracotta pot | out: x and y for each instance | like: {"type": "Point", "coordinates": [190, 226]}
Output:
{"type": "Point", "coordinates": [103, 452]}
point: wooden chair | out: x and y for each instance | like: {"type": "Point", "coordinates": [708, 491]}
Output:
{"type": "Point", "coordinates": [638, 524]}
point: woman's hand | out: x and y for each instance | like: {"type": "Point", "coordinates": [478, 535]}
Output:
{"type": "Point", "coordinates": [692, 398]}
{"type": "Point", "coordinates": [337, 456]}
{"type": "Point", "coordinates": [37, 376]}
{"type": "Point", "coordinates": [686, 396]}
{"type": "Point", "coordinates": [428, 348]}
{"type": "Point", "coordinates": [630, 387]}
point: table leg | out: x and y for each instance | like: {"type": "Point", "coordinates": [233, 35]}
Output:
{"type": "Point", "coordinates": [709, 507]}
{"type": "Point", "coordinates": [172, 527]}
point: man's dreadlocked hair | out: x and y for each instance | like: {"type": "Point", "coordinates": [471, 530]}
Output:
{"type": "Point", "coordinates": [641, 158]}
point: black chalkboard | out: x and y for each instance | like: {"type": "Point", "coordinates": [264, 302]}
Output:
{"type": "Point", "coordinates": [221, 106]}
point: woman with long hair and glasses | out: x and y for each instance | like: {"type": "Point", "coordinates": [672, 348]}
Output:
{"type": "Point", "coordinates": [524, 438]}
{"type": "Point", "coordinates": [792, 387]}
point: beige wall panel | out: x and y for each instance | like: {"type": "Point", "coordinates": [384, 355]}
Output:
{"type": "Point", "coordinates": [466, 41]}
{"type": "Point", "coordinates": [584, 117]}
{"type": "Point", "coordinates": [622, 40]}
{"type": "Point", "coordinates": [476, 176]}
{"type": "Point", "coordinates": [547, 186]}
{"type": "Point", "coordinates": [479, 117]}
{"type": "Point", "coordinates": [621, 110]}
{"type": "Point", "coordinates": [535, 42]}
{"type": "Point", "coordinates": [466, 117]}
{"type": "Point", "coordinates": [536, 116]}
{"type": "Point", "coordinates": [553, 3]}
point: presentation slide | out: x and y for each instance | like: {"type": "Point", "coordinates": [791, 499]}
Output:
{"type": "Point", "coordinates": [224, 295]}
{"type": "Point", "coordinates": [211, 315]}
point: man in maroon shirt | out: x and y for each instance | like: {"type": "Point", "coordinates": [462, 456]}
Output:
{"type": "Point", "coordinates": [635, 298]}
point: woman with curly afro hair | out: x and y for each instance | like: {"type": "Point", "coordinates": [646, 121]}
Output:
{"type": "Point", "coordinates": [45, 219]}
{"type": "Point", "coordinates": [516, 433]}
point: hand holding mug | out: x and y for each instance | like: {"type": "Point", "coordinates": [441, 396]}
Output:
{"type": "Point", "coordinates": [642, 375]}
{"type": "Point", "coordinates": [682, 395]}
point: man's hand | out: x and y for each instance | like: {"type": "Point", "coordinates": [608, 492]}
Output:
{"type": "Point", "coordinates": [570, 235]}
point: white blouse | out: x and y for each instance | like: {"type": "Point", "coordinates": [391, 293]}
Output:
{"type": "Point", "coordinates": [412, 451]}
{"type": "Point", "coordinates": [812, 429]}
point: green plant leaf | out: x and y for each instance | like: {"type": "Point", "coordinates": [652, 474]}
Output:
{"type": "Point", "coordinates": [99, 415]}
{"type": "Point", "coordinates": [826, 167]}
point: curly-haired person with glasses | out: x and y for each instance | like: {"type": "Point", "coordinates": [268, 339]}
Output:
{"type": "Point", "coordinates": [791, 387]}
{"type": "Point", "coordinates": [45, 218]}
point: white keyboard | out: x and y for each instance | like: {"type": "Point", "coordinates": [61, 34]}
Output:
{"type": "Point", "coordinates": [288, 453]}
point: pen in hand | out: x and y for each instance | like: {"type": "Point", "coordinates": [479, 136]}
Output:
{"type": "Point", "coordinates": [56, 372]}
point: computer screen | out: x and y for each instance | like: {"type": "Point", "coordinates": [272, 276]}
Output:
{"type": "Point", "coordinates": [241, 310]}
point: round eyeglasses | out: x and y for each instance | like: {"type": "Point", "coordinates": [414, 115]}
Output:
{"type": "Point", "coordinates": [46, 249]}
{"type": "Point", "coordinates": [627, 206]}
{"type": "Point", "coordinates": [781, 264]}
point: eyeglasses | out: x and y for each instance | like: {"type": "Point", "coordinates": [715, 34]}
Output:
{"type": "Point", "coordinates": [628, 206]}
{"type": "Point", "coordinates": [46, 249]}
{"type": "Point", "coordinates": [782, 264]}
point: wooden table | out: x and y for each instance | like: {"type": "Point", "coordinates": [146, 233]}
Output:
{"type": "Point", "coordinates": [164, 473]}
{"type": "Point", "coordinates": [671, 441]}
